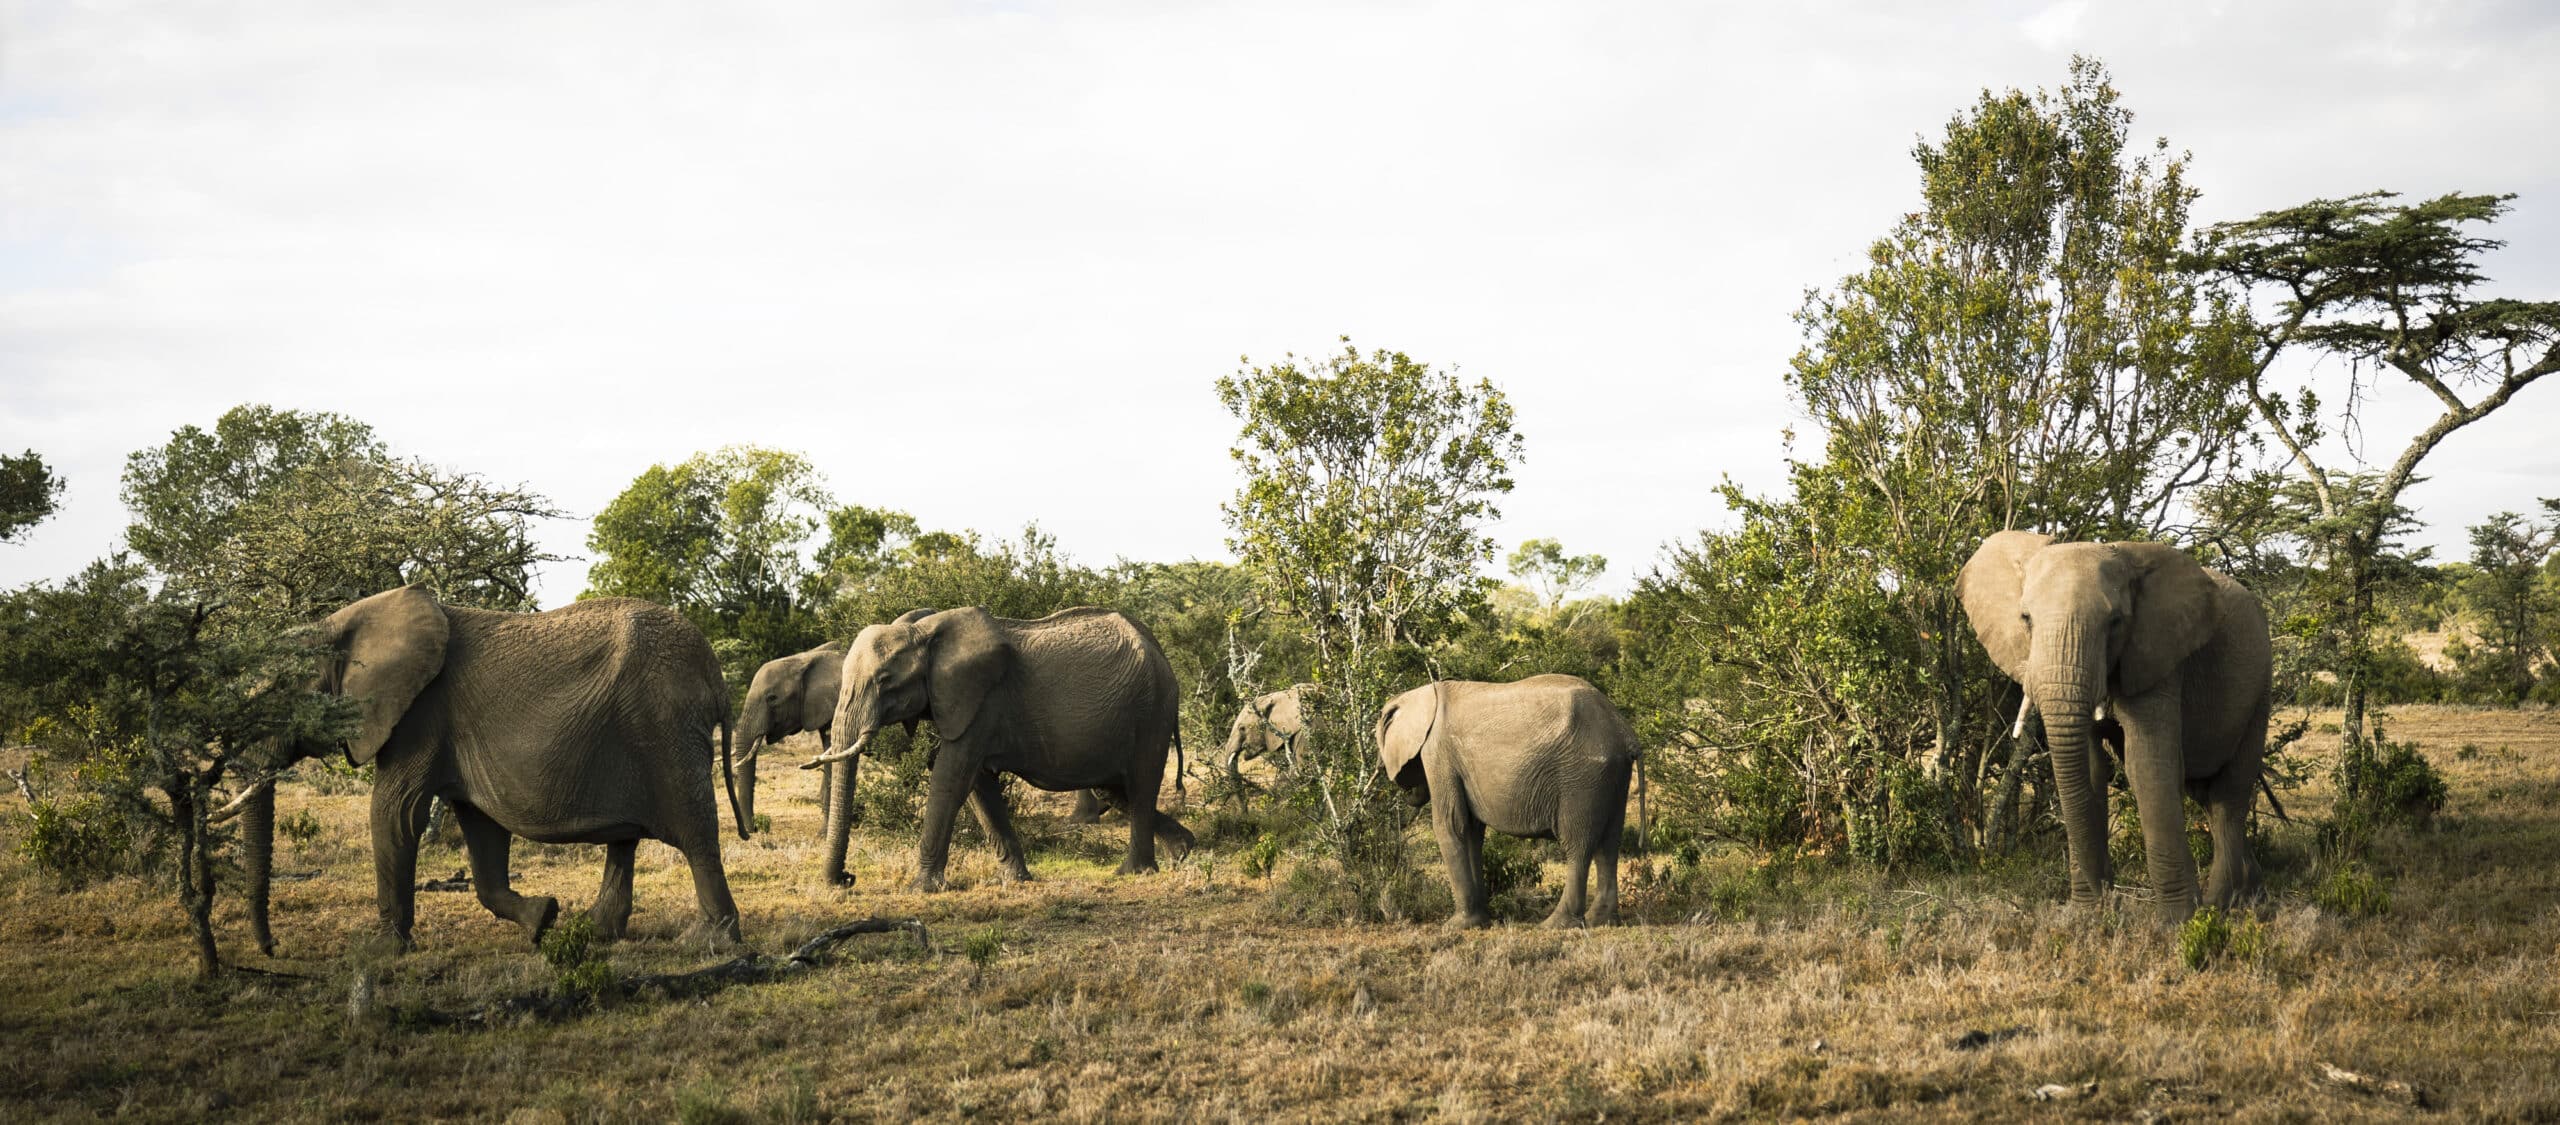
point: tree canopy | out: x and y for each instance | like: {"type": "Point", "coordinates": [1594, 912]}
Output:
{"type": "Point", "coordinates": [28, 493]}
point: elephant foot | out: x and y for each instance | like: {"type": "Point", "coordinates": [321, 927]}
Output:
{"type": "Point", "coordinates": [1466, 921]}
{"type": "Point", "coordinates": [1084, 816]}
{"type": "Point", "coordinates": [927, 884]}
{"type": "Point", "coordinates": [1136, 867]}
{"type": "Point", "coordinates": [840, 878]}
{"type": "Point", "coordinates": [611, 925]}
{"type": "Point", "coordinates": [1175, 839]}
{"type": "Point", "coordinates": [1561, 921]}
{"type": "Point", "coordinates": [536, 916]}
{"type": "Point", "coordinates": [1012, 873]}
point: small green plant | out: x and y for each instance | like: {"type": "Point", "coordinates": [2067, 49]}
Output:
{"type": "Point", "coordinates": [2468, 751]}
{"type": "Point", "coordinates": [706, 1103]}
{"type": "Point", "coordinates": [2205, 936]}
{"type": "Point", "coordinates": [981, 948]}
{"type": "Point", "coordinates": [579, 969]}
{"type": "Point", "coordinates": [760, 824]}
{"type": "Point", "coordinates": [2252, 942]}
{"type": "Point", "coordinates": [1262, 858]}
{"type": "Point", "coordinates": [2352, 890]}
{"type": "Point", "coordinates": [1256, 992]}
{"type": "Point", "coordinates": [301, 828]}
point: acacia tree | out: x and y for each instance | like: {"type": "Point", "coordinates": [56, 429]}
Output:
{"type": "Point", "coordinates": [2388, 288]}
{"type": "Point", "coordinates": [1367, 479]}
{"type": "Point", "coordinates": [28, 493]}
{"type": "Point", "coordinates": [2509, 591]}
{"type": "Point", "coordinates": [291, 514]}
{"type": "Point", "coordinates": [2023, 351]}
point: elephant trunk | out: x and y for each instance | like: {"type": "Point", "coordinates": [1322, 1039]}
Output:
{"type": "Point", "coordinates": [2067, 690]}
{"type": "Point", "coordinates": [257, 860]}
{"type": "Point", "coordinates": [750, 744]}
{"type": "Point", "coordinates": [839, 817]}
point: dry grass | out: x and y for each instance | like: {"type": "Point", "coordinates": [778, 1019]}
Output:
{"type": "Point", "coordinates": [1742, 992]}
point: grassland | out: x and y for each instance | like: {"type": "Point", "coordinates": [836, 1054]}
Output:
{"type": "Point", "coordinates": [1743, 988]}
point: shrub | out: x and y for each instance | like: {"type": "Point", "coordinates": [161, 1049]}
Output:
{"type": "Point", "coordinates": [1262, 857]}
{"type": "Point", "coordinates": [1511, 864]}
{"type": "Point", "coordinates": [886, 795]}
{"type": "Point", "coordinates": [2381, 783]}
{"type": "Point", "coordinates": [2204, 937]}
{"type": "Point", "coordinates": [302, 828]}
{"type": "Point", "coordinates": [2353, 891]}
{"type": "Point", "coordinates": [982, 947]}
{"type": "Point", "coordinates": [580, 970]}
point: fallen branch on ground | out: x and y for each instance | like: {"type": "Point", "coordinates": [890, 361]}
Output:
{"type": "Point", "coordinates": [2391, 1088]}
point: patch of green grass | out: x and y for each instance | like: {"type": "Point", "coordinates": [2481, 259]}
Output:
{"type": "Point", "coordinates": [2352, 890]}
{"type": "Point", "coordinates": [2204, 937]}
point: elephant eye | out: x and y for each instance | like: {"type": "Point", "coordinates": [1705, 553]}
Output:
{"type": "Point", "coordinates": [2026, 619]}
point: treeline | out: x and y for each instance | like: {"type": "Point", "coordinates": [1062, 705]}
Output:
{"type": "Point", "coordinates": [2045, 341]}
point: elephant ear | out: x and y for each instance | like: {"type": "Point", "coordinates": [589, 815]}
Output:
{"type": "Point", "coordinates": [966, 665]}
{"type": "Point", "coordinates": [821, 681]}
{"type": "Point", "coordinates": [1404, 728]}
{"type": "Point", "coordinates": [912, 616]}
{"type": "Point", "coordinates": [2176, 606]}
{"type": "Point", "coordinates": [1989, 586]}
{"type": "Point", "coordinates": [393, 644]}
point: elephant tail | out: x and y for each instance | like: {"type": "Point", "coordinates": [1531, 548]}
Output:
{"type": "Point", "coordinates": [1644, 820]}
{"type": "Point", "coordinates": [729, 777]}
{"type": "Point", "coordinates": [1178, 761]}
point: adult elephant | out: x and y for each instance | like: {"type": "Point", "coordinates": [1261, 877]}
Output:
{"type": "Point", "coordinates": [789, 695]}
{"type": "Point", "coordinates": [2177, 652]}
{"type": "Point", "coordinates": [1545, 758]}
{"type": "Point", "coordinates": [587, 724]}
{"type": "Point", "coordinates": [1080, 699]}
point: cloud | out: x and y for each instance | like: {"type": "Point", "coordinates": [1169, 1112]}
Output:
{"type": "Point", "coordinates": [983, 262]}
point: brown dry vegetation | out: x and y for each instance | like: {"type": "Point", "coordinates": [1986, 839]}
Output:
{"type": "Point", "coordinates": [1744, 989]}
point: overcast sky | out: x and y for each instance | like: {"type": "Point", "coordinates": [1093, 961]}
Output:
{"type": "Point", "coordinates": [982, 261]}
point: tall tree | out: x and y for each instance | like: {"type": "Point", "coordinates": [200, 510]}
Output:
{"type": "Point", "coordinates": [2510, 592]}
{"type": "Point", "coordinates": [2390, 289]}
{"type": "Point", "coordinates": [2022, 351]}
{"type": "Point", "coordinates": [722, 537]}
{"type": "Point", "coordinates": [1367, 479]}
{"type": "Point", "coordinates": [28, 493]}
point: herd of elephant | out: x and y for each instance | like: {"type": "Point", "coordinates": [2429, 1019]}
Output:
{"type": "Point", "coordinates": [596, 723]}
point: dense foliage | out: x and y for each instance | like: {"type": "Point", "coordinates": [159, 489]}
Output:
{"type": "Point", "coordinates": [28, 493]}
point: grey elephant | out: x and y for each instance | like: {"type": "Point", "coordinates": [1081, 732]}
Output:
{"type": "Point", "coordinates": [1545, 758]}
{"type": "Point", "coordinates": [2179, 654]}
{"type": "Point", "coordinates": [790, 695]}
{"type": "Point", "coordinates": [1080, 699]}
{"type": "Point", "coordinates": [586, 724]}
{"type": "Point", "coordinates": [1271, 723]}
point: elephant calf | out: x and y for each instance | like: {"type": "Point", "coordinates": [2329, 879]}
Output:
{"type": "Point", "coordinates": [1546, 758]}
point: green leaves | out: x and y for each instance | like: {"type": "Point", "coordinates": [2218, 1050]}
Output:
{"type": "Point", "coordinates": [28, 493]}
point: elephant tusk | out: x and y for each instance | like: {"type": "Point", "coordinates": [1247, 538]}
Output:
{"type": "Point", "coordinates": [2099, 712]}
{"type": "Point", "coordinates": [831, 757]}
{"type": "Point", "coordinates": [240, 802]}
{"type": "Point", "coordinates": [2026, 703]}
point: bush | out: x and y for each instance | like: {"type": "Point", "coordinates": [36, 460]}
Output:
{"type": "Point", "coordinates": [2203, 938]}
{"type": "Point", "coordinates": [1263, 857]}
{"type": "Point", "coordinates": [2353, 891]}
{"type": "Point", "coordinates": [2381, 783]}
{"type": "Point", "coordinates": [888, 794]}
{"type": "Point", "coordinates": [579, 969]}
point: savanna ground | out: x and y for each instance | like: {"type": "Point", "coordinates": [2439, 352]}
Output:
{"type": "Point", "coordinates": [1742, 988]}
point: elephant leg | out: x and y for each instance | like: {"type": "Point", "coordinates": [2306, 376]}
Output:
{"type": "Point", "coordinates": [488, 843]}
{"type": "Point", "coordinates": [399, 819]}
{"type": "Point", "coordinates": [1176, 840]}
{"type": "Point", "coordinates": [1140, 793]}
{"type": "Point", "coordinates": [1461, 838]}
{"type": "Point", "coordinates": [954, 774]}
{"type": "Point", "coordinates": [986, 796]}
{"type": "Point", "coordinates": [1088, 808]}
{"type": "Point", "coordinates": [2228, 797]}
{"type": "Point", "coordinates": [1604, 905]}
{"type": "Point", "coordinates": [701, 848]}
{"type": "Point", "coordinates": [2155, 769]}
{"type": "Point", "coordinates": [612, 910]}
{"type": "Point", "coordinates": [1577, 875]}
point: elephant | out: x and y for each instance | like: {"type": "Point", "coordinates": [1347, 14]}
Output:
{"type": "Point", "coordinates": [1267, 723]}
{"type": "Point", "coordinates": [1080, 699]}
{"type": "Point", "coordinates": [789, 695]}
{"type": "Point", "coordinates": [1545, 758]}
{"type": "Point", "coordinates": [2180, 655]}
{"type": "Point", "coordinates": [586, 724]}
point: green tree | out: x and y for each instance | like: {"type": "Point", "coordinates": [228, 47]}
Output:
{"type": "Point", "coordinates": [142, 704]}
{"type": "Point", "coordinates": [28, 493]}
{"type": "Point", "coordinates": [1552, 575]}
{"type": "Point", "coordinates": [292, 514]}
{"type": "Point", "coordinates": [2509, 591]}
{"type": "Point", "coordinates": [2022, 351]}
{"type": "Point", "coordinates": [2390, 289]}
{"type": "Point", "coordinates": [721, 537]}
{"type": "Point", "coordinates": [1367, 479]}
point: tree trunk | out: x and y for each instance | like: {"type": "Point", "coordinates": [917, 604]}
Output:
{"type": "Point", "coordinates": [195, 872]}
{"type": "Point", "coordinates": [2352, 677]}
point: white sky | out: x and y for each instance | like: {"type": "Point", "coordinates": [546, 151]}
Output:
{"type": "Point", "coordinates": [982, 261]}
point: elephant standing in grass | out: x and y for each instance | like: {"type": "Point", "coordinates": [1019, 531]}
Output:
{"type": "Point", "coordinates": [790, 695]}
{"type": "Point", "coordinates": [2178, 653]}
{"type": "Point", "coordinates": [587, 724]}
{"type": "Point", "coordinates": [1082, 698]}
{"type": "Point", "coordinates": [1545, 758]}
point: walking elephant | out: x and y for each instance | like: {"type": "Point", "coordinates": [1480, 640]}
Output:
{"type": "Point", "coordinates": [586, 724]}
{"type": "Point", "coordinates": [789, 695]}
{"type": "Point", "coordinates": [1545, 758]}
{"type": "Point", "coordinates": [2178, 653]}
{"type": "Point", "coordinates": [1080, 699]}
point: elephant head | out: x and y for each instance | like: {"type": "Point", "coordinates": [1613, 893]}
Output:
{"type": "Point", "coordinates": [383, 652]}
{"type": "Point", "coordinates": [2079, 625]}
{"type": "Point", "coordinates": [1404, 727]}
{"type": "Point", "coordinates": [788, 695]}
{"type": "Point", "coordinates": [1265, 723]}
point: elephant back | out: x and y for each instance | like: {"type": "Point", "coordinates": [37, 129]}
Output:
{"type": "Point", "coordinates": [1091, 664]}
